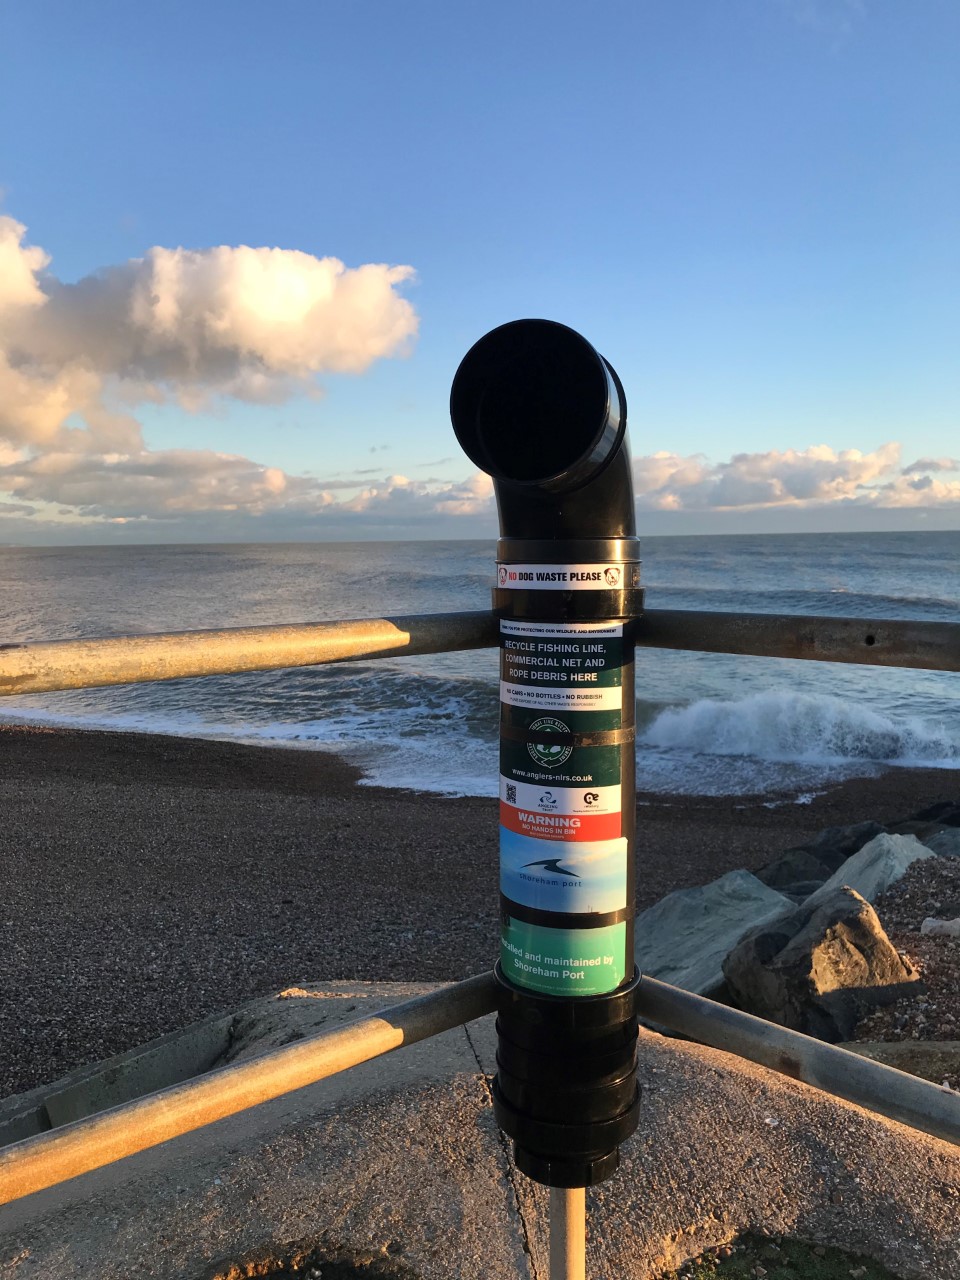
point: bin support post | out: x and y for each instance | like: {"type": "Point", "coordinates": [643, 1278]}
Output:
{"type": "Point", "coordinates": [568, 1233]}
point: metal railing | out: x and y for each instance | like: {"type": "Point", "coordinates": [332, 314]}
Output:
{"type": "Point", "coordinates": [87, 1144]}
{"type": "Point", "coordinates": [87, 664]}
{"type": "Point", "coordinates": [84, 1145]}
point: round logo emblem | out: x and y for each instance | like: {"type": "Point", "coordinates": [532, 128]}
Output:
{"type": "Point", "coordinates": [548, 754]}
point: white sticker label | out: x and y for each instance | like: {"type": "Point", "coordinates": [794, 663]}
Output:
{"type": "Point", "coordinates": [561, 577]}
{"type": "Point", "coordinates": [568, 800]}
{"type": "Point", "coordinates": [561, 699]}
{"type": "Point", "coordinates": [554, 630]}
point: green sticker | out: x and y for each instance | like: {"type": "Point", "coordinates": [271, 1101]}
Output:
{"type": "Point", "coordinates": [577, 721]}
{"type": "Point", "coordinates": [563, 962]}
{"type": "Point", "coordinates": [558, 763]}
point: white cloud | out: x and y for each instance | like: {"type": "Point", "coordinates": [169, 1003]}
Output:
{"type": "Point", "coordinates": [154, 484]}
{"type": "Point", "coordinates": [815, 477]}
{"type": "Point", "coordinates": [836, 19]}
{"type": "Point", "coordinates": [246, 323]}
{"type": "Point", "coordinates": [249, 323]}
{"type": "Point", "coordinates": [173, 483]}
{"type": "Point", "coordinates": [917, 491]}
{"type": "Point", "coordinates": [416, 498]}
{"type": "Point", "coordinates": [76, 361]}
{"type": "Point", "coordinates": [240, 321]}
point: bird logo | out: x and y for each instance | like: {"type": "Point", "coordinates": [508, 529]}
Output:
{"type": "Point", "coordinates": [552, 865]}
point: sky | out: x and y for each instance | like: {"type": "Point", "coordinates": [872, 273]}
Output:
{"type": "Point", "coordinates": [244, 247]}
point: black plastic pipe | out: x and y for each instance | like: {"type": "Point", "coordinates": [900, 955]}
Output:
{"type": "Point", "coordinates": [538, 409]}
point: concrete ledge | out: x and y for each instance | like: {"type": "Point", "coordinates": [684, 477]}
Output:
{"type": "Point", "coordinates": [400, 1159]}
{"type": "Point", "coordinates": [200, 1047]}
{"type": "Point", "coordinates": [165, 1061]}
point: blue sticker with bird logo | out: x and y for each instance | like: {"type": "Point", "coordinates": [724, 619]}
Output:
{"type": "Point", "coordinates": [586, 877]}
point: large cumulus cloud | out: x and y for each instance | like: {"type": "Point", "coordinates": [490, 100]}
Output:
{"type": "Point", "coordinates": [178, 324]}
{"type": "Point", "coordinates": [244, 322]}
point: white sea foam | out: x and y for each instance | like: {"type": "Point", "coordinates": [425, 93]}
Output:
{"type": "Point", "coordinates": [803, 728]}
{"type": "Point", "coordinates": [441, 738]}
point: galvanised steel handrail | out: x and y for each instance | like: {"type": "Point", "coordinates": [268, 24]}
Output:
{"type": "Point", "coordinates": [84, 664]}
{"type": "Point", "coordinates": [87, 1144]}
{"type": "Point", "coordinates": [84, 1145]}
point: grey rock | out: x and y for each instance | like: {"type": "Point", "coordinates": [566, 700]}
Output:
{"type": "Point", "coordinates": [800, 891]}
{"type": "Point", "coordinates": [684, 937]}
{"type": "Point", "coordinates": [875, 868]}
{"type": "Point", "coordinates": [911, 827]}
{"type": "Point", "coordinates": [821, 857]}
{"type": "Point", "coordinates": [946, 842]}
{"type": "Point", "coordinates": [932, 927]}
{"type": "Point", "coordinates": [834, 845]}
{"type": "Point", "coordinates": [820, 970]}
{"type": "Point", "coordinates": [795, 864]}
{"type": "Point", "coordinates": [946, 812]}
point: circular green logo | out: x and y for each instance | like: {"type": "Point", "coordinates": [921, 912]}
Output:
{"type": "Point", "coordinates": [549, 754]}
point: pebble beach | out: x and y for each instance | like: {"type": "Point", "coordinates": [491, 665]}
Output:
{"type": "Point", "coordinates": [150, 881]}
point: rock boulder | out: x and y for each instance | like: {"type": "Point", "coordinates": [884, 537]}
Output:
{"type": "Point", "coordinates": [874, 868]}
{"type": "Point", "coordinates": [819, 859]}
{"type": "Point", "coordinates": [945, 843]}
{"type": "Point", "coordinates": [793, 866]}
{"type": "Point", "coordinates": [819, 970]}
{"type": "Point", "coordinates": [683, 938]}
{"type": "Point", "coordinates": [834, 845]}
{"type": "Point", "coordinates": [947, 813]}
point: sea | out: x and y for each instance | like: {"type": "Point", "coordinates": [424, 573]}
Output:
{"type": "Point", "coordinates": [708, 724]}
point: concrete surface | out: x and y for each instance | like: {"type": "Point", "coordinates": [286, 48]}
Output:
{"type": "Point", "coordinates": [400, 1159]}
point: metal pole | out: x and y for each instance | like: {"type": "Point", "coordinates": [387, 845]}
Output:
{"type": "Point", "coordinates": [879, 1088]}
{"type": "Point", "coordinates": [64, 1153]}
{"type": "Point", "coordinates": [86, 664]}
{"type": "Point", "coordinates": [874, 642]}
{"type": "Point", "coordinates": [568, 1233]}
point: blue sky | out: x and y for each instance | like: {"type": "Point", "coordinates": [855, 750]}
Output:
{"type": "Point", "coordinates": [749, 206]}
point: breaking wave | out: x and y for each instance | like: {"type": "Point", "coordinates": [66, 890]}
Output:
{"type": "Point", "coordinates": [810, 729]}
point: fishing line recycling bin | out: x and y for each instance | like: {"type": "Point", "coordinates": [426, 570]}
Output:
{"type": "Point", "coordinates": [539, 410]}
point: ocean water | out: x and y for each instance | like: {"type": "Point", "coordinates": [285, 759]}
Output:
{"type": "Point", "coordinates": [707, 723]}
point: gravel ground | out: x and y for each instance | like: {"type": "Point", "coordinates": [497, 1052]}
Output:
{"type": "Point", "coordinates": [930, 887]}
{"type": "Point", "coordinates": [148, 881]}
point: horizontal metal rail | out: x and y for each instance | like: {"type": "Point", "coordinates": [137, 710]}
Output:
{"type": "Point", "coordinates": [83, 664]}
{"type": "Point", "coordinates": [60, 1154]}
{"type": "Point", "coordinates": [64, 1153]}
{"type": "Point", "coordinates": [874, 642]}
{"type": "Point", "coordinates": [880, 1088]}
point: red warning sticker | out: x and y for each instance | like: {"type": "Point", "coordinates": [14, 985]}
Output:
{"type": "Point", "coordinates": [560, 826]}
